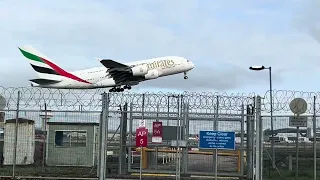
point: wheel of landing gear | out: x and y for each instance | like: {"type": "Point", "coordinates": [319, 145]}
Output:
{"type": "Point", "coordinates": [129, 87]}
{"type": "Point", "coordinates": [186, 77]}
{"type": "Point", "coordinates": [121, 89]}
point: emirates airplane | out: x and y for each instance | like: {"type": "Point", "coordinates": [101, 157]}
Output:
{"type": "Point", "coordinates": [114, 75]}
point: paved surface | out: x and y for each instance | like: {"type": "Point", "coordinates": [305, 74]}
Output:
{"type": "Point", "coordinates": [202, 163]}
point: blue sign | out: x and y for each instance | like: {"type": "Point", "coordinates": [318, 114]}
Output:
{"type": "Point", "coordinates": [217, 140]}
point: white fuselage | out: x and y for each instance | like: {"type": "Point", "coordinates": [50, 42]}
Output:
{"type": "Point", "coordinates": [98, 76]}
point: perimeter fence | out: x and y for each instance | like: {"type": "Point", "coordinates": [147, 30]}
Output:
{"type": "Point", "coordinates": [58, 133]}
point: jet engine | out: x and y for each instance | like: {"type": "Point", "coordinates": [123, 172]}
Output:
{"type": "Point", "coordinates": [139, 70]}
{"type": "Point", "coordinates": [152, 74]}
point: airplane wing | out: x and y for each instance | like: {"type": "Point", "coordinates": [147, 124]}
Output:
{"type": "Point", "coordinates": [120, 72]}
{"type": "Point", "coordinates": [109, 63]}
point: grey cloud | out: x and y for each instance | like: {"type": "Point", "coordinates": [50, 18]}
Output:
{"type": "Point", "coordinates": [308, 19]}
{"type": "Point", "coordinates": [73, 34]}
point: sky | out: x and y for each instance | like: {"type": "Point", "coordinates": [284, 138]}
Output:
{"type": "Point", "coordinates": [223, 38]}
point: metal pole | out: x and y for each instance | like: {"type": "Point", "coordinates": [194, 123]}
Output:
{"type": "Point", "coordinates": [178, 145]}
{"type": "Point", "coordinates": [99, 144]}
{"type": "Point", "coordinates": [180, 101]}
{"type": "Point", "coordinates": [216, 165]}
{"type": "Point", "coordinates": [297, 155]}
{"type": "Point", "coordinates": [14, 158]}
{"type": "Point", "coordinates": [258, 164]}
{"type": "Point", "coordinates": [168, 110]}
{"type": "Point", "coordinates": [271, 119]}
{"type": "Point", "coordinates": [314, 139]}
{"type": "Point", "coordinates": [103, 133]}
{"type": "Point", "coordinates": [130, 138]}
{"type": "Point", "coordinates": [185, 158]}
{"type": "Point", "coordinates": [45, 136]}
{"type": "Point", "coordinates": [141, 162]}
{"type": "Point", "coordinates": [215, 124]}
{"type": "Point", "coordinates": [250, 140]}
{"type": "Point", "coordinates": [177, 152]}
{"type": "Point", "coordinates": [242, 143]}
{"type": "Point", "coordinates": [141, 148]}
{"type": "Point", "coordinates": [143, 101]}
{"type": "Point", "coordinates": [157, 149]}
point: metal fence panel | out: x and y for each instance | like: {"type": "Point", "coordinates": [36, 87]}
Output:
{"type": "Point", "coordinates": [294, 148]}
{"type": "Point", "coordinates": [69, 145]}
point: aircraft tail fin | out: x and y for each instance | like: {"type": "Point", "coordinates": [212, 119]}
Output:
{"type": "Point", "coordinates": [44, 68]}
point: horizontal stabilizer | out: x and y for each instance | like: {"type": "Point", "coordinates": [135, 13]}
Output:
{"type": "Point", "coordinates": [44, 81]}
{"type": "Point", "coordinates": [108, 63]}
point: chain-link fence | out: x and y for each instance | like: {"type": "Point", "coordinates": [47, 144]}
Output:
{"type": "Point", "coordinates": [58, 133]}
{"type": "Point", "coordinates": [289, 149]}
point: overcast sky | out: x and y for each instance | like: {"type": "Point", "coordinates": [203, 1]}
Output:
{"type": "Point", "coordinates": [222, 37]}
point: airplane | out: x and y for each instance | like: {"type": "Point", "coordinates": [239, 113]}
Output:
{"type": "Point", "coordinates": [114, 75]}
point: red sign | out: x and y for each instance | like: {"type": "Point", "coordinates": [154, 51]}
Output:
{"type": "Point", "coordinates": [141, 137]}
{"type": "Point", "coordinates": [157, 132]}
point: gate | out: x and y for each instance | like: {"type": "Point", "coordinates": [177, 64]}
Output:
{"type": "Point", "coordinates": [182, 117]}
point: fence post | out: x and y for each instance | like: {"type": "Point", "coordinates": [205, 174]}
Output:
{"type": "Point", "coordinates": [186, 119]}
{"type": "Point", "coordinates": [14, 158]}
{"type": "Point", "coordinates": [123, 139]}
{"type": "Point", "coordinates": [157, 148]}
{"type": "Point", "coordinates": [103, 136]}
{"type": "Point", "coordinates": [314, 139]}
{"type": "Point", "coordinates": [130, 138]}
{"type": "Point", "coordinates": [242, 143]}
{"type": "Point", "coordinates": [44, 130]}
{"type": "Point", "coordinates": [99, 144]}
{"type": "Point", "coordinates": [185, 138]}
{"type": "Point", "coordinates": [250, 140]}
{"type": "Point", "coordinates": [216, 128]}
{"type": "Point", "coordinates": [178, 153]}
{"type": "Point", "coordinates": [258, 143]}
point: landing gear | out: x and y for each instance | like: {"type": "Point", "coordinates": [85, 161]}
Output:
{"type": "Point", "coordinates": [185, 75]}
{"type": "Point", "coordinates": [127, 87]}
{"type": "Point", "coordinates": [120, 89]}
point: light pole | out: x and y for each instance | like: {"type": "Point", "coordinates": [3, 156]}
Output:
{"type": "Point", "coordinates": [259, 68]}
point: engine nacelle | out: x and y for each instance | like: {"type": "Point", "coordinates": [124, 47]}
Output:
{"type": "Point", "coordinates": [152, 74]}
{"type": "Point", "coordinates": [139, 70]}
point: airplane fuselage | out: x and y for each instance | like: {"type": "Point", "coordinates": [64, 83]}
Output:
{"type": "Point", "coordinates": [98, 77]}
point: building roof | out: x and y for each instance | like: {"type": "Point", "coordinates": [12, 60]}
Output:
{"type": "Point", "coordinates": [73, 123]}
{"type": "Point", "coordinates": [20, 120]}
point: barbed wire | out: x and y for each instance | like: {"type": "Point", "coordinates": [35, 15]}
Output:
{"type": "Point", "coordinates": [282, 98]}
{"type": "Point", "coordinates": [70, 99]}
{"type": "Point", "coordinates": [90, 99]}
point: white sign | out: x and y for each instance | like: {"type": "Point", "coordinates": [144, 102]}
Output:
{"type": "Point", "coordinates": [181, 143]}
{"type": "Point", "coordinates": [157, 139]}
{"type": "Point", "coordinates": [298, 121]}
{"type": "Point", "coordinates": [142, 123]}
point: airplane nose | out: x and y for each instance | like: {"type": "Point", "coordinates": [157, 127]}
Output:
{"type": "Point", "coordinates": [191, 65]}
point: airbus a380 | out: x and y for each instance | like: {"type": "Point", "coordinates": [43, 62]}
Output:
{"type": "Point", "coordinates": [114, 75]}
